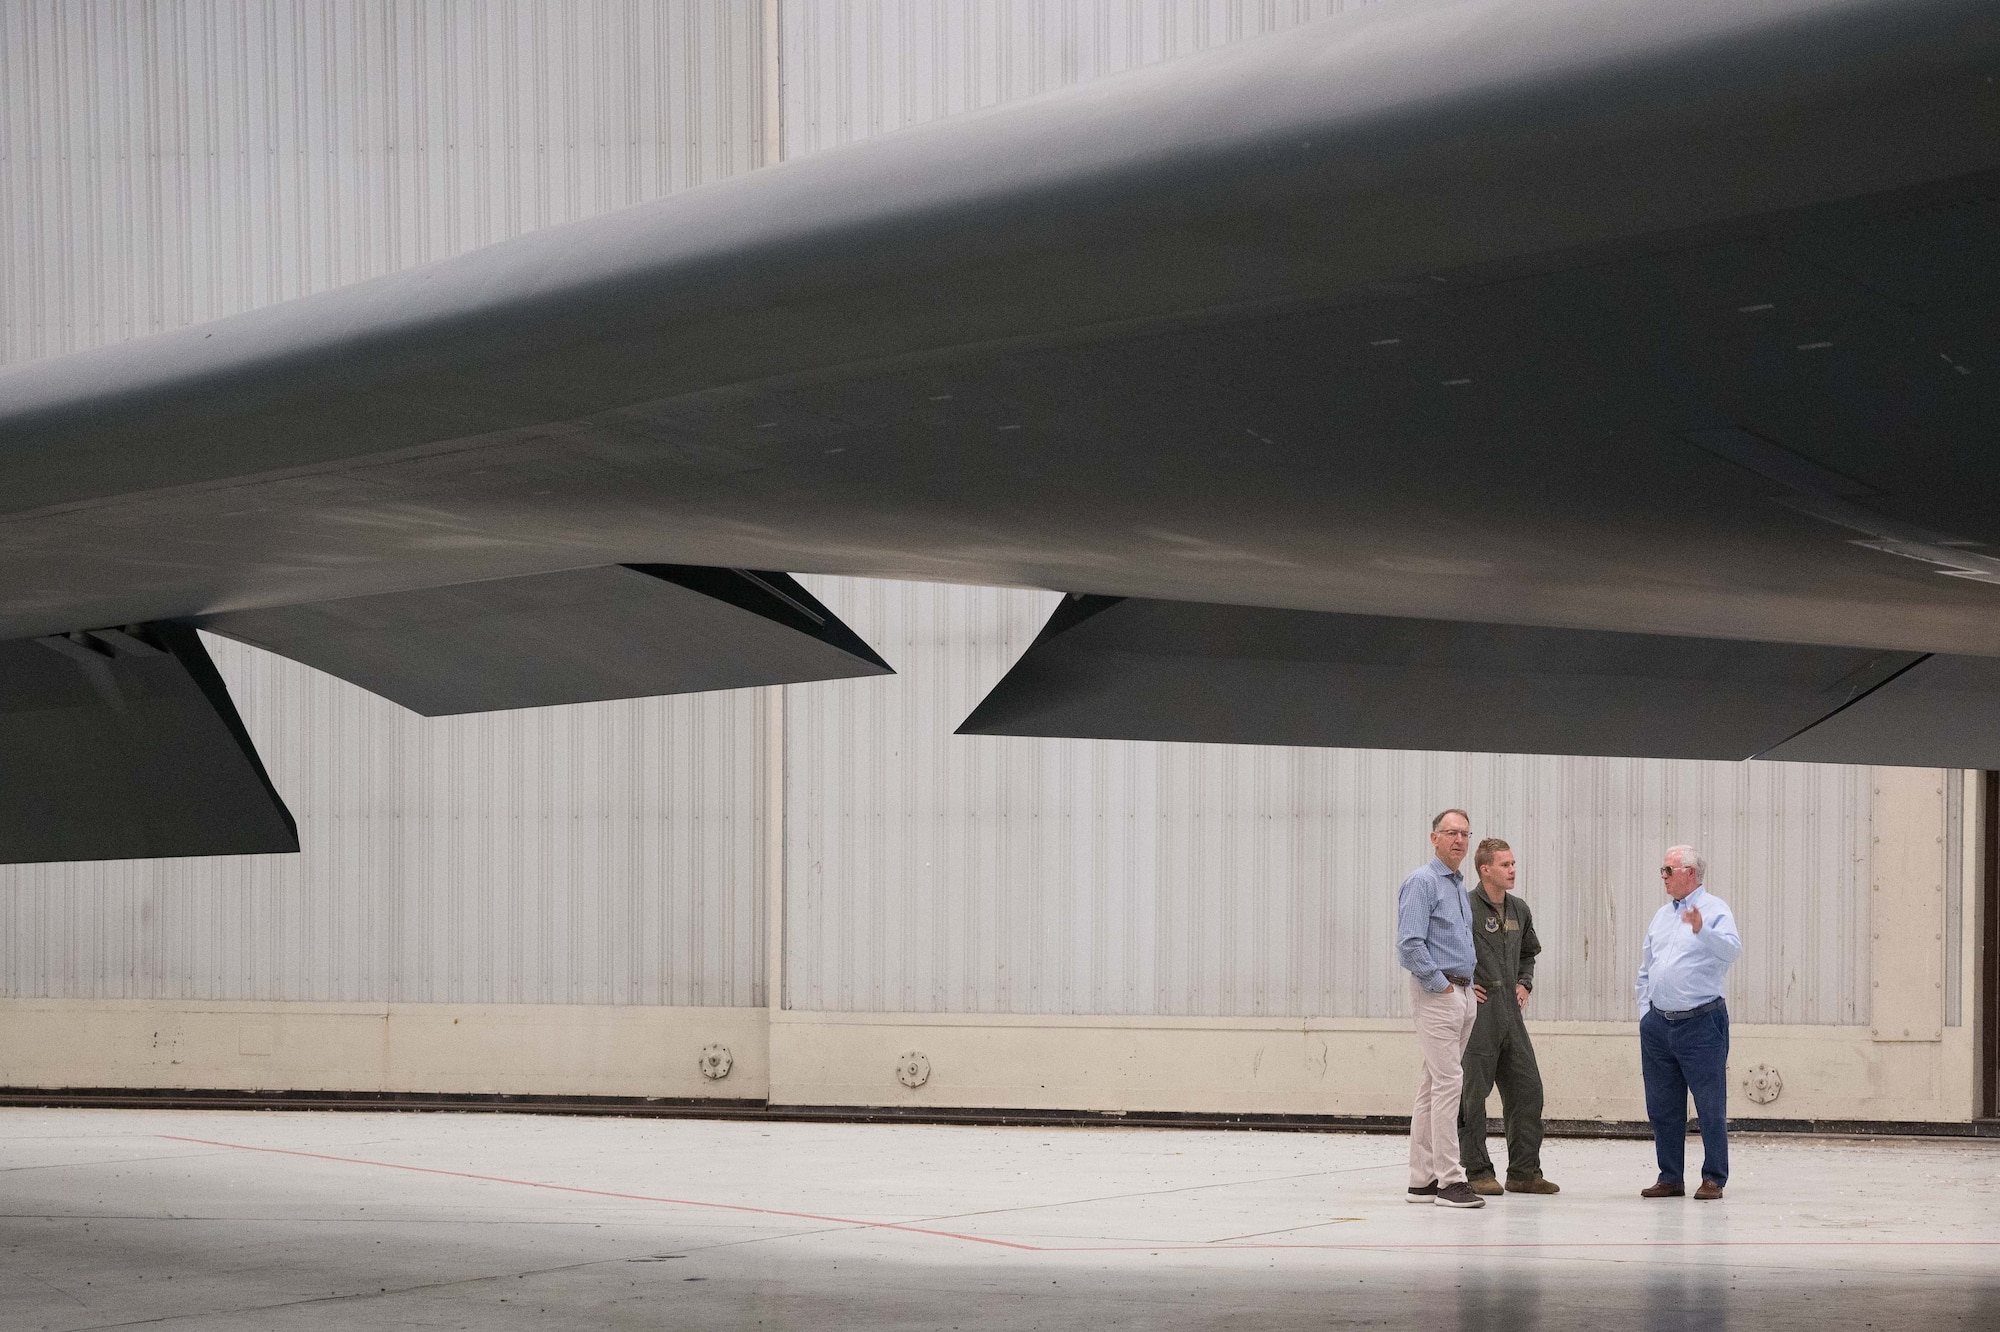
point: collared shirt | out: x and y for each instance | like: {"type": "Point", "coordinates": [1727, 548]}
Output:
{"type": "Point", "coordinates": [1680, 969]}
{"type": "Point", "coordinates": [1434, 926]}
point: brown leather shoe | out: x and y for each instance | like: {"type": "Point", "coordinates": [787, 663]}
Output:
{"type": "Point", "coordinates": [1534, 1185]}
{"type": "Point", "coordinates": [1664, 1190]}
{"type": "Point", "coordinates": [1709, 1191]}
{"type": "Point", "coordinates": [1485, 1186]}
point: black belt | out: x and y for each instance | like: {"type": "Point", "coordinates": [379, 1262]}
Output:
{"type": "Point", "coordinates": [1689, 1012]}
{"type": "Point", "coordinates": [1460, 981]}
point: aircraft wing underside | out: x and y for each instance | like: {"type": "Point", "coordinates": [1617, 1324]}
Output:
{"type": "Point", "coordinates": [1624, 374]}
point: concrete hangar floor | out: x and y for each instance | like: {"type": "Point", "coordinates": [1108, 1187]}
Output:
{"type": "Point", "coordinates": [284, 1220]}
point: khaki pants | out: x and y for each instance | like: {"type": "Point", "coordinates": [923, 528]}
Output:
{"type": "Point", "coordinates": [1444, 1025]}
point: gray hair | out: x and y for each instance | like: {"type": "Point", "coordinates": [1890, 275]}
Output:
{"type": "Point", "coordinates": [1690, 856]}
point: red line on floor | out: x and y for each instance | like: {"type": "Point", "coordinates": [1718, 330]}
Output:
{"type": "Point", "coordinates": [1391, 1246]}
{"type": "Point", "coordinates": [1378, 1245]}
{"type": "Point", "coordinates": [602, 1193]}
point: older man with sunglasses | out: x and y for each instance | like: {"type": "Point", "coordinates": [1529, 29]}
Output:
{"type": "Point", "coordinates": [1684, 1025]}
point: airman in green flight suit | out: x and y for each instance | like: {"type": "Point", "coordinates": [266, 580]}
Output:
{"type": "Point", "coordinates": [1503, 939]}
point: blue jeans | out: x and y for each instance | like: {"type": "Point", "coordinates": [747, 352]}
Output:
{"type": "Point", "coordinates": [1691, 1055]}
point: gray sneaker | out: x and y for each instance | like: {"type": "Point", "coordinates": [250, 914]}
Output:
{"type": "Point", "coordinates": [1426, 1193]}
{"type": "Point", "coordinates": [1458, 1195]}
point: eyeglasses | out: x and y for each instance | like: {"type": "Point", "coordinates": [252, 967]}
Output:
{"type": "Point", "coordinates": [1668, 871]}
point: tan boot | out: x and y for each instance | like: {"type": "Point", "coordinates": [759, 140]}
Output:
{"type": "Point", "coordinates": [1534, 1185]}
{"type": "Point", "coordinates": [1486, 1186]}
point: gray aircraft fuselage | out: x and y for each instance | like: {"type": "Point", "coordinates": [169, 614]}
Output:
{"type": "Point", "coordinates": [1551, 312]}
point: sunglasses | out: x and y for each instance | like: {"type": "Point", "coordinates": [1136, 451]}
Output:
{"type": "Point", "coordinates": [1668, 871]}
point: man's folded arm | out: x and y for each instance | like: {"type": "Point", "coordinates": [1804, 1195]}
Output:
{"type": "Point", "coordinates": [1720, 938]}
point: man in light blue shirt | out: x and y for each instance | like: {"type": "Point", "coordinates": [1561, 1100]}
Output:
{"type": "Point", "coordinates": [1434, 944]}
{"type": "Point", "coordinates": [1684, 1025]}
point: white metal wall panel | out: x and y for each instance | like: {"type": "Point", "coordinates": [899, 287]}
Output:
{"type": "Point", "coordinates": [858, 68]}
{"type": "Point", "coordinates": [607, 853]}
{"type": "Point", "coordinates": [934, 872]}
{"type": "Point", "coordinates": [168, 162]}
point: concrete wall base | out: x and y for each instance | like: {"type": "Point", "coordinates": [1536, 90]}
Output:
{"type": "Point", "coordinates": [1108, 1066]}
{"type": "Point", "coordinates": [531, 1049]}
{"type": "Point", "coordinates": [1324, 1066]}
{"type": "Point", "coordinates": [670, 1107]}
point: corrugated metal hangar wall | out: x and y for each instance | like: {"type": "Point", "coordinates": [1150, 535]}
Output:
{"type": "Point", "coordinates": [930, 872]}
{"type": "Point", "coordinates": [163, 164]}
